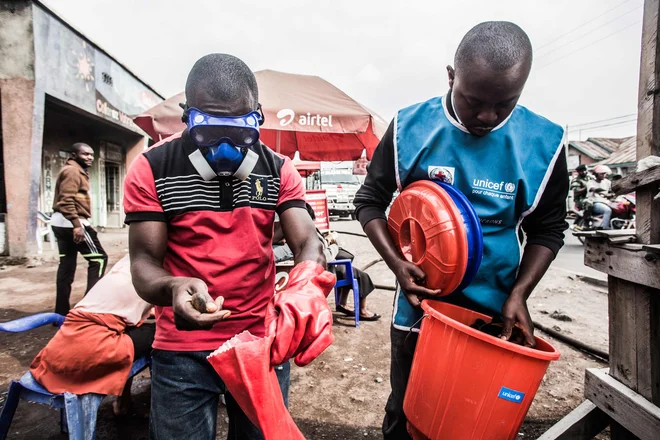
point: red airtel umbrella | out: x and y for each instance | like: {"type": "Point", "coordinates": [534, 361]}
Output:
{"type": "Point", "coordinates": [303, 113]}
{"type": "Point", "coordinates": [305, 167]}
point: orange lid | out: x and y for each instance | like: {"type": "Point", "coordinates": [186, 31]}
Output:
{"type": "Point", "coordinates": [428, 229]}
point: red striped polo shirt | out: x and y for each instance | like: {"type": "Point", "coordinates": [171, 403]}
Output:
{"type": "Point", "coordinates": [219, 231]}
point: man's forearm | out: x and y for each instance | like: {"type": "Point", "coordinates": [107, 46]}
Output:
{"type": "Point", "coordinates": [67, 207]}
{"type": "Point", "coordinates": [311, 250]}
{"type": "Point", "coordinates": [380, 237]}
{"type": "Point", "coordinates": [534, 264]}
{"type": "Point", "coordinates": [147, 245]}
{"type": "Point", "coordinates": [578, 192]}
{"type": "Point", "coordinates": [152, 283]}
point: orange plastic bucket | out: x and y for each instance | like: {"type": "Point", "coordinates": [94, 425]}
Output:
{"type": "Point", "coordinates": [428, 229]}
{"type": "Point", "coordinates": [465, 384]}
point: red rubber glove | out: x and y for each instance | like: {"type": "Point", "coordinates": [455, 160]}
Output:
{"type": "Point", "coordinates": [299, 318]}
{"type": "Point", "coordinates": [243, 363]}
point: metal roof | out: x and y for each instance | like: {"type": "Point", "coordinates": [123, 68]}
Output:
{"type": "Point", "coordinates": [599, 148]}
{"type": "Point", "coordinates": [589, 148]}
{"type": "Point", "coordinates": [611, 144]}
{"type": "Point", "coordinates": [626, 154]}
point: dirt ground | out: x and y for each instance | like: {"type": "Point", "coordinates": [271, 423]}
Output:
{"type": "Point", "coordinates": [342, 394]}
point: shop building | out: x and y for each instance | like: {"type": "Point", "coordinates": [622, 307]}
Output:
{"type": "Point", "coordinates": [58, 88]}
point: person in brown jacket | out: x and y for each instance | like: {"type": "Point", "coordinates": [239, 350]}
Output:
{"type": "Point", "coordinates": [71, 226]}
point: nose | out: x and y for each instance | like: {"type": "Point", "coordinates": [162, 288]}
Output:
{"type": "Point", "coordinates": [488, 117]}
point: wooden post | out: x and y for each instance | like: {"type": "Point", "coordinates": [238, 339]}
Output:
{"type": "Point", "coordinates": [648, 120]}
{"type": "Point", "coordinates": [630, 392]}
{"type": "Point", "coordinates": [634, 308]}
{"type": "Point", "coordinates": [639, 367]}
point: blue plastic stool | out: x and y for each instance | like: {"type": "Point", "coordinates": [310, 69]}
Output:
{"type": "Point", "coordinates": [351, 282]}
{"type": "Point", "coordinates": [31, 322]}
{"type": "Point", "coordinates": [77, 413]}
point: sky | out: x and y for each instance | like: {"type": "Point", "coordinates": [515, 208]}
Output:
{"type": "Point", "coordinates": [385, 54]}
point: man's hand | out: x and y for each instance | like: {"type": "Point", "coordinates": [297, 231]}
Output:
{"type": "Point", "coordinates": [411, 279]}
{"type": "Point", "coordinates": [514, 311]}
{"type": "Point", "coordinates": [193, 307]}
{"type": "Point", "coordinates": [78, 234]}
{"type": "Point", "coordinates": [331, 238]}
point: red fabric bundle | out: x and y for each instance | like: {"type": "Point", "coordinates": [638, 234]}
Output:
{"type": "Point", "coordinates": [90, 353]}
{"type": "Point", "coordinates": [243, 363]}
{"type": "Point", "coordinates": [298, 324]}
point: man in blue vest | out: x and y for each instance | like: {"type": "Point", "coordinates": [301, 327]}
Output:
{"type": "Point", "coordinates": [508, 161]}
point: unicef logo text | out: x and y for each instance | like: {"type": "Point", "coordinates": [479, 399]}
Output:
{"type": "Point", "coordinates": [512, 396]}
{"type": "Point", "coordinates": [493, 186]}
{"type": "Point", "coordinates": [287, 116]}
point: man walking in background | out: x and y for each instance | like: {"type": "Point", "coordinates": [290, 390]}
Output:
{"type": "Point", "coordinates": [70, 223]}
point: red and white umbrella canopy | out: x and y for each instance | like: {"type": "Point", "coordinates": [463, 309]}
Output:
{"type": "Point", "coordinates": [303, 113]}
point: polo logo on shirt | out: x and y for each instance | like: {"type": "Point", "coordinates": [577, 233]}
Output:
{"type": "Point", "coordinates": [442, 174]}
{"type": "Point", "coordinates": [260, 189]}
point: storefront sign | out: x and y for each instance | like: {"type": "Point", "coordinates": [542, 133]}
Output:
{"type": "Point", "coordinates": [106, 110]}
{"type": "Point", "coordinates": [319, 203]}
{"type": "Point", "coordinates": [114, 153]}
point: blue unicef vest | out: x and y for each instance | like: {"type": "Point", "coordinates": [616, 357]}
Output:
{"type": "Point", "coordinates": [503, 174]}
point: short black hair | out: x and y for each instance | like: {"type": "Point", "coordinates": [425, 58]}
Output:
{"type": "Point", "coordinates": [225, 77]}
{"type": "Point", "coordinates": [75, 148]}
{"type": "Point", "coordinates": [581, 167]}
{"type": "Point", "coordinates": [501, 44]}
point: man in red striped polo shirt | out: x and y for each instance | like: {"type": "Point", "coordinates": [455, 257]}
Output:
{"type": "Point", "coordinates": [201, 206]}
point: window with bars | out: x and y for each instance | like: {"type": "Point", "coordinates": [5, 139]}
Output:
{"type": "Point", "coordinates": [112, 187]}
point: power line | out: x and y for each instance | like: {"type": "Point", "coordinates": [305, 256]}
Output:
{"type": "Point", "coordinates": [601, 126]}
{"type": "Point", "coordinates": [605, 120]}
{"type": "Point", "coordinates": [609, 124]}
{"type": "Point", "coordinates": [544, 55]}
{"type": "Point", "coordinates": [582, 25]}
{"type": "Point", "coordinates": [588, 45]}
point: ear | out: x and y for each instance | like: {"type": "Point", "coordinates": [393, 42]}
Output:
{"type": "Point", "coordinates": [184, 116]}
{"type": "Point", "coordinates": [451, 74]}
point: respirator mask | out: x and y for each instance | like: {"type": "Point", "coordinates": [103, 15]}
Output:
{"type": "Point", "coordinates": [223, 142]}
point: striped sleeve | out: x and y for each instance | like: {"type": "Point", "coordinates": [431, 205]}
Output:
{"type": "Point", "coordinates": [292, 190]}
{"type": "Point", "coordinates": [141, 202]}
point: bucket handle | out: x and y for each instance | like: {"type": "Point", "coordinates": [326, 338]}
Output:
{"type": "Point", "coordinates": [425, 315]}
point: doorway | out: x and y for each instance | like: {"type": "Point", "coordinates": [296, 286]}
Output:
{"type": "Point", "coordinates": [3, 198]}
{"type": "Point", "coordinates": [113, 194]}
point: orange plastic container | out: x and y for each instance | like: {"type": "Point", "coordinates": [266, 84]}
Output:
{"type": "Point", "coordinates": [428, 229]}
{"type": "Point", "coordinates": [468, 385]}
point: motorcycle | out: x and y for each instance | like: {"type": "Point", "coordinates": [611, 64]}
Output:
{"type": "Point", "coordinates": [623, 214]}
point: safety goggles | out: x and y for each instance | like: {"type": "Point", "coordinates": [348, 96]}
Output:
{"type": "Point", "coordinates": [209, 130]}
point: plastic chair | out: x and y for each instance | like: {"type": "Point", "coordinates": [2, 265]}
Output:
{"type": "Point", "coordinates": [31, 322]}
{"type": "Point", "coordinates": [43, 231]}
{"type": "Point", "coordinates": [77, 413]}
{"type": "Point", "coordinates": [351, 282]}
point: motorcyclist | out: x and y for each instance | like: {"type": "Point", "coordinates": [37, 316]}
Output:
{"type": "Point", "coordinates": [579, 185]}
{"type": "Point", "coordinates": [599, 190]}
{"type": "Point", "coordinates": [600, 181]}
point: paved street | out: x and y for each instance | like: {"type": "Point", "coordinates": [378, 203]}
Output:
{"type": "Point", "coordinates": [571, 258]}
